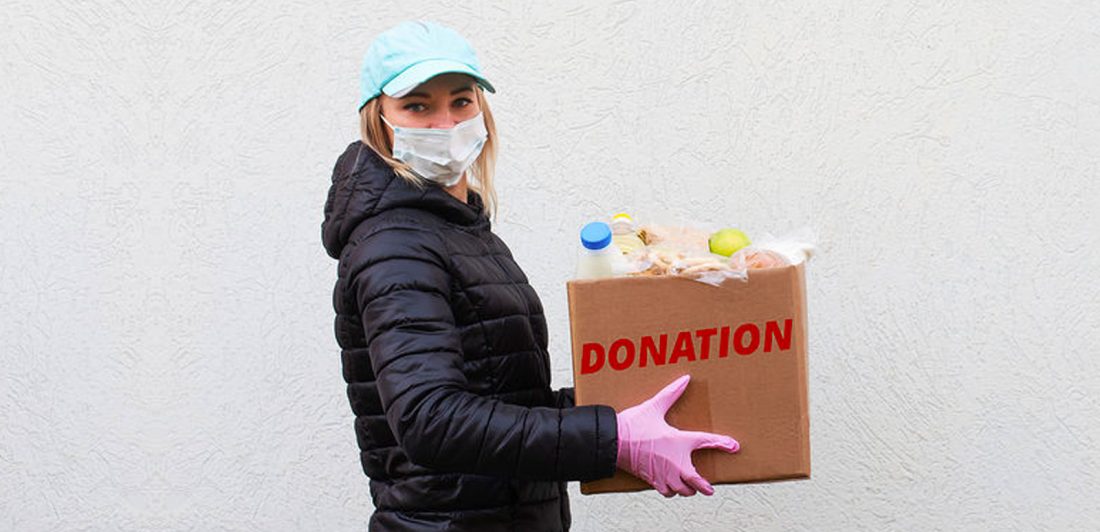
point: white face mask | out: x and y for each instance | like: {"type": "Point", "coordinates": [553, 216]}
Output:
{"type": "Point", "coordinates": [440, 155]}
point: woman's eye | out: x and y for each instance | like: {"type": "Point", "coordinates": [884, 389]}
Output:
{"type": "Point", "coordinates": [415, 107]}
{"type": "Point", "coordinates": [462, 102]}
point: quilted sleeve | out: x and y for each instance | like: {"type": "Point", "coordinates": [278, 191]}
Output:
{"type": "Point", "coordinates": [564, 398]}
{"type": "Point", "coordinates": [402, 286]}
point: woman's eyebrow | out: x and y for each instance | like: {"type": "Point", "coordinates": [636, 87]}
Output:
{"type": "Point", "coordinates": [425, 95]}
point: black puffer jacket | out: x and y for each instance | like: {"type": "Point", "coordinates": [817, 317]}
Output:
{"type": "Point", "coordinates": [444, 352]}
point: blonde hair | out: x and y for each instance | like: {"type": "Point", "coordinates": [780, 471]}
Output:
{"type": "Point", "coordinates": [479, 176]}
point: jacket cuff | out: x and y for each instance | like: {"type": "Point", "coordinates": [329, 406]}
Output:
{"type": "Point", "coordinates": [607, 444]}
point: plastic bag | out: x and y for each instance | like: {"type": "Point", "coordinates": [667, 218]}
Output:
{"type": "Point", "coordinates": [683, 239]}
{"type": "Point", "coordinates": [773, 252]}
{"type": "Point", "coordinates": [684, 250]}
{"type": "Point", "coordinates": [710, 269]}
{"type": "Point", "coordinates": [755, 258]}
{"type": "Point", "coordinates": [796, 246]}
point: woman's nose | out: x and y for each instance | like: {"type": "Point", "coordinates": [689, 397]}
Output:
{"type": "Point", "coordinates": [443, 121]}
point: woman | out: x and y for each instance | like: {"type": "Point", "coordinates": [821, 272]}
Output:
{"type": "Point", "coordinates": [443, 340]}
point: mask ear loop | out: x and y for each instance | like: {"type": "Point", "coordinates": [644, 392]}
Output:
{"type": "Point", "coordinates": [387, 122]}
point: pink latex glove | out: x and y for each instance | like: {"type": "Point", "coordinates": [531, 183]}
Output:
{"type": "Point", "coordinates": [659, 454]}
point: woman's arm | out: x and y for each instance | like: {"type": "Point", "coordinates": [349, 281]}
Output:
{"type": "Point", "coordinates": [402, 287]}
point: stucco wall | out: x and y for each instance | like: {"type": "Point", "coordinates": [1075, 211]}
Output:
{"type": "Point", "coordinates": [168, 361]}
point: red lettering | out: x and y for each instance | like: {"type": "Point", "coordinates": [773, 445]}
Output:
{"type": "Point", "coordinates": [754, 339]}
{"type": "Point", "coordinates": [684, 348]}
{"type": "Point", "coordinates": [724, 343]}
{"type": "Point", "coordinates": [588, 364]}
{"type": "Point", "coordinates": [617, 346]}
{"type": "Point", "coordinates": [651, 349]}
{"type": "Point", "coordinates": [771, 330]}
{"type": "Point", "coordinates": [746, 339]}
{"type": "Point", "coordinates": [704, 347]}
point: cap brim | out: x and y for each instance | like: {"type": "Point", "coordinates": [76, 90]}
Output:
{"type": "Point", "coordinates": [416, 74]}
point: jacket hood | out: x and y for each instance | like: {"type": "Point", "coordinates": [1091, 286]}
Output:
{"type": "Point", "coordinates": [363, 186]}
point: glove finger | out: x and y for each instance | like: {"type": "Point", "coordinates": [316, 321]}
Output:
{"type": "Point", "coordinates": [707, 440]}
{"type": "Point", "coordinates": [677, 485]}
{"type": "Point", "coordinates": [661, 486]}
{"type": "Point", "coordinates": [695, 480]}
{"type": "Point", "coordinates": [664, 490]}
{"type": "Point", "coordinates": [668, 395]}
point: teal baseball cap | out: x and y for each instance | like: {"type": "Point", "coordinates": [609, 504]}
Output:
{"type": "Point", "coordinates": [411, 53]}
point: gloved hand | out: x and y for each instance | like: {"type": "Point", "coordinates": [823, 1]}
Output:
{"type": "Point", "coordinates": [659, 454]}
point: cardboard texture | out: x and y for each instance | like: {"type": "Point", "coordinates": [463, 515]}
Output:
{"type": "Point", "coordinates": [744, 344]}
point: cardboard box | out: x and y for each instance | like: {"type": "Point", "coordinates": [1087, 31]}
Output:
{"type": "Point", "coordinates": [744, 344]}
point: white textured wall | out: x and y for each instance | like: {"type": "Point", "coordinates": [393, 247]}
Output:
{"type": "Point", "coordinates": [167, 356]}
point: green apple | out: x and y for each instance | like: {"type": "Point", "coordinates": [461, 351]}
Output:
{"type": "Point", "coordinates": [727, 241]}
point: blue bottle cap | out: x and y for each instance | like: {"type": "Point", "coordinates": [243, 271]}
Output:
{"type": "Point", "coordinates": [596, 235]}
